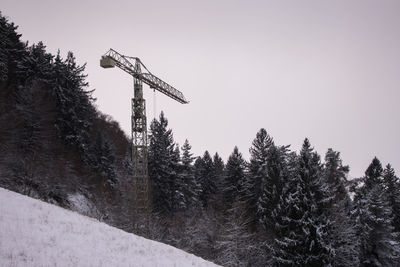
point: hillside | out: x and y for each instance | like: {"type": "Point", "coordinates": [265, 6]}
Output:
{"type": "Point", "coordinates": [34, 233]}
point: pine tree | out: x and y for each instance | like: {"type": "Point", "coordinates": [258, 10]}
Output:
{"type": "Point", "coordinates": [234, 178]}
{"type": "Point", "coordinates": [373, 216]}
{"type": "Point", "coordinates": [179, 198]}
{"type": "Point", "coordinates": [392, 188]}
{"type": "Point", "coordinates": [276, 176]}
{"type": "Point", "coordinates": [198, 170]}
{"type": "Point", "coordinates": [257, 173]}
{"type": "Point", "coordinates": [3, 48]}
{"type": "Point", "coordinates": [301, 227]}
{"type": "Point", "coordinates": [219, 176]}
{"type": "Point", "coordinates": [373, 174]}
{"type": "Point", "coordinates": [105, 158]}
{"type": "Point", "coordinates": [342, 235]}
{"type": "Point", "coordinates": [219, 171]}
{"type": "Point", "coordinates": [12, 51]}
{"type": "Point", "coordinates": [36, 65]}
{"type": "Point", "coordinates": [191, 188]}
{"type": "Point", "coordinates": [234, 242]}
{"type": "Point", "coordinates": [74, 110]}
{"type": "Point", "coordinates": [161, 153]}
{"type": "Point", "coordinates": [206, 178]}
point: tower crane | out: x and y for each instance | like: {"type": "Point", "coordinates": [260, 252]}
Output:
{"type": "Point", "coordinates": [133, 66]}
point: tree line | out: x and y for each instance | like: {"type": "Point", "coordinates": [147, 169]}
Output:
{"type": "Point", "coordinates": [298, 205]}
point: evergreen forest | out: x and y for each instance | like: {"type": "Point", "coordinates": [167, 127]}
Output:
{"type": "Point", "coordinates": [279, 208]}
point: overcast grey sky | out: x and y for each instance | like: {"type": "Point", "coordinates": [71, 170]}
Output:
{"type": "Point", "coordinates": [326, 70]}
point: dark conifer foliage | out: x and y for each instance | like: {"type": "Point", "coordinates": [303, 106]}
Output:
{"type": "Point", "coordinates": [12, 51]}
{"type": "Point", "coordinates": [191, 189]}
{"type": "Point", "coordinates": [205, 175]}
{"type": "Point", "coordinates": [302, 235]}
{"type": "Point", "coordinates": [234, 178]}
{"type": "Point", "coordinates": [275, 179]}
{"type": "Point", "coordinates": [257, 173]}
{"type": "Point", "coordinates": [162, 160]}
{"type": "Point", "coordinates": [55, 144]}
{"type": "Point", "coordinates": [373, 174]}
{"type": "Point", "coordinates": [74, 110]}
{"type": "Point", "coordinates": [392, 189]}
{"type": "Point", "coordinates": [374, 220]}
{"type": "Point", "coordinates": [342, 235]}
{"type": "Point", "coordinates": [198, 171]}
{"type": "Point", "coordinates": [104, 161]}
{"type": "Point", "coordinates": [219, 171]}
{"type": "Point", "coordinates": [180, 198]}
{"type": "Point", "coordinates": [218, 177]}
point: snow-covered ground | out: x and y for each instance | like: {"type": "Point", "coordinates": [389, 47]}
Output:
{"type": "Point", "coordinates": [34, 233]}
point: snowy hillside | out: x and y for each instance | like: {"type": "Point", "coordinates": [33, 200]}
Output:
{"type": "Point", "coordinates": [34, 233]}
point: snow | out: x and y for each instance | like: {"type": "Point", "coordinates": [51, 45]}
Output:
{"type": "Point", "coordinates": [35, 233]}
{"type": "Point", "coordinates": [82, 205]}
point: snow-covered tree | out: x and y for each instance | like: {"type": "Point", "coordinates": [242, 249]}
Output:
{"type": "Point", "coordinates": [302, 226]}
{"type": "Point", "coordinates": [74, 110]}
{"type": "Point", "coordinates": [235, 244]}
{"type": "Point", "coordinates": [191, 188]}
{"type": "Point", "coordinates": [342, 235]}
{"type": "Point", "coordinates": [219, 171]}
{"type": "Point", "coordinates": [374, 220]}
{"type": "Point", "coordinates": [12, 51]}
{"type": "Point", "coordinates": [276, 176]}
{"type": "Point", "coordinates": [257, 173]}
{"type": "Point", "coordinates": [392, 188]}
{"type": "Point", "coordinates": [180, 202]}
{"type": "Point", "coordinates": [161, 164]}
{"type": "Point", "coordinates": [234, 178]}
{"type": "Point", "coordinates": [205, 176]}
{"type": "Point", "coordinates": [104, 159]}
{"type": "Point", "coordinates": [36, 65]}
{"type": "Point", "coordinates": [219, 176]}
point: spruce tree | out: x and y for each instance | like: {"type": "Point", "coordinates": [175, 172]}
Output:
{"type": "Point", "coordinates": [219, 171]}
{"type": "Point", "coordinates": [12, 52]}
{"type": "Point", "coordinates": [104, 161]}
{"type": "Point", "coordinates": [275, 178]}
{"type": "Point", "coordinates": [234, 178]}
{"type": "Point", "coordinates": [179, 185]}
{"type": "Point", "coordinates": [342, 235]}
{"type": "Point", "coordinates": [3, 48]}
{"type": "Point", "coordinates": [374, 220]}
{"type": "Point", "coordinates": [373, 174]}
{"type": "Point", "coordinates": [392, 188]}
{"type": "Point", "coordinates": [206, 178]}
{"type": "Point", "coordinates": [198, 171]}
{"type": "Point", "coordinates": [219, 176]}
{"type": "Point", "coordinates": [74, 110]}
{"type": "Point", "coordinates": [257, 173]}
{"type": "Point", "coordinates": [302, 227]}
{"type": "Point", "coordinates": [191, 188]}
{"type": "Point", "coordinates": [161, 164]}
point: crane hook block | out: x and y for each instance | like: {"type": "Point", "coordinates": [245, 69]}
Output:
{"type": "Point", "coordinates": [107, 62]}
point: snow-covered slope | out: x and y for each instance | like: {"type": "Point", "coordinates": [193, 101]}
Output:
{"type": "Point", "coordinates": [34, 233]}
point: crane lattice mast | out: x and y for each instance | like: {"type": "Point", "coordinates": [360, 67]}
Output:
{"type": "Point", "coordinates": [133, 66]}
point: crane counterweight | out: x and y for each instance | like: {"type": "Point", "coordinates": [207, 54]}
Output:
{"type": "Point", "coordinates": [107, 62]}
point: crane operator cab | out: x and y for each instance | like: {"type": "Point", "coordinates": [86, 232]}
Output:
{"type": "Point", "coordinates": [107, 62]}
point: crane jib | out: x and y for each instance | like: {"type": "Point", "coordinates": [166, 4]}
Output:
{"type": "Point", "coordinates": [112, 58]}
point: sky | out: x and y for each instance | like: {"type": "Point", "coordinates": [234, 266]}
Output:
{"type": "Point", "coordinates": [325, 70]}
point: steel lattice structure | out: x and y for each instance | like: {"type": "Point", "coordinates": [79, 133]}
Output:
{"type": "Point", "coordinates": [133, 66]}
